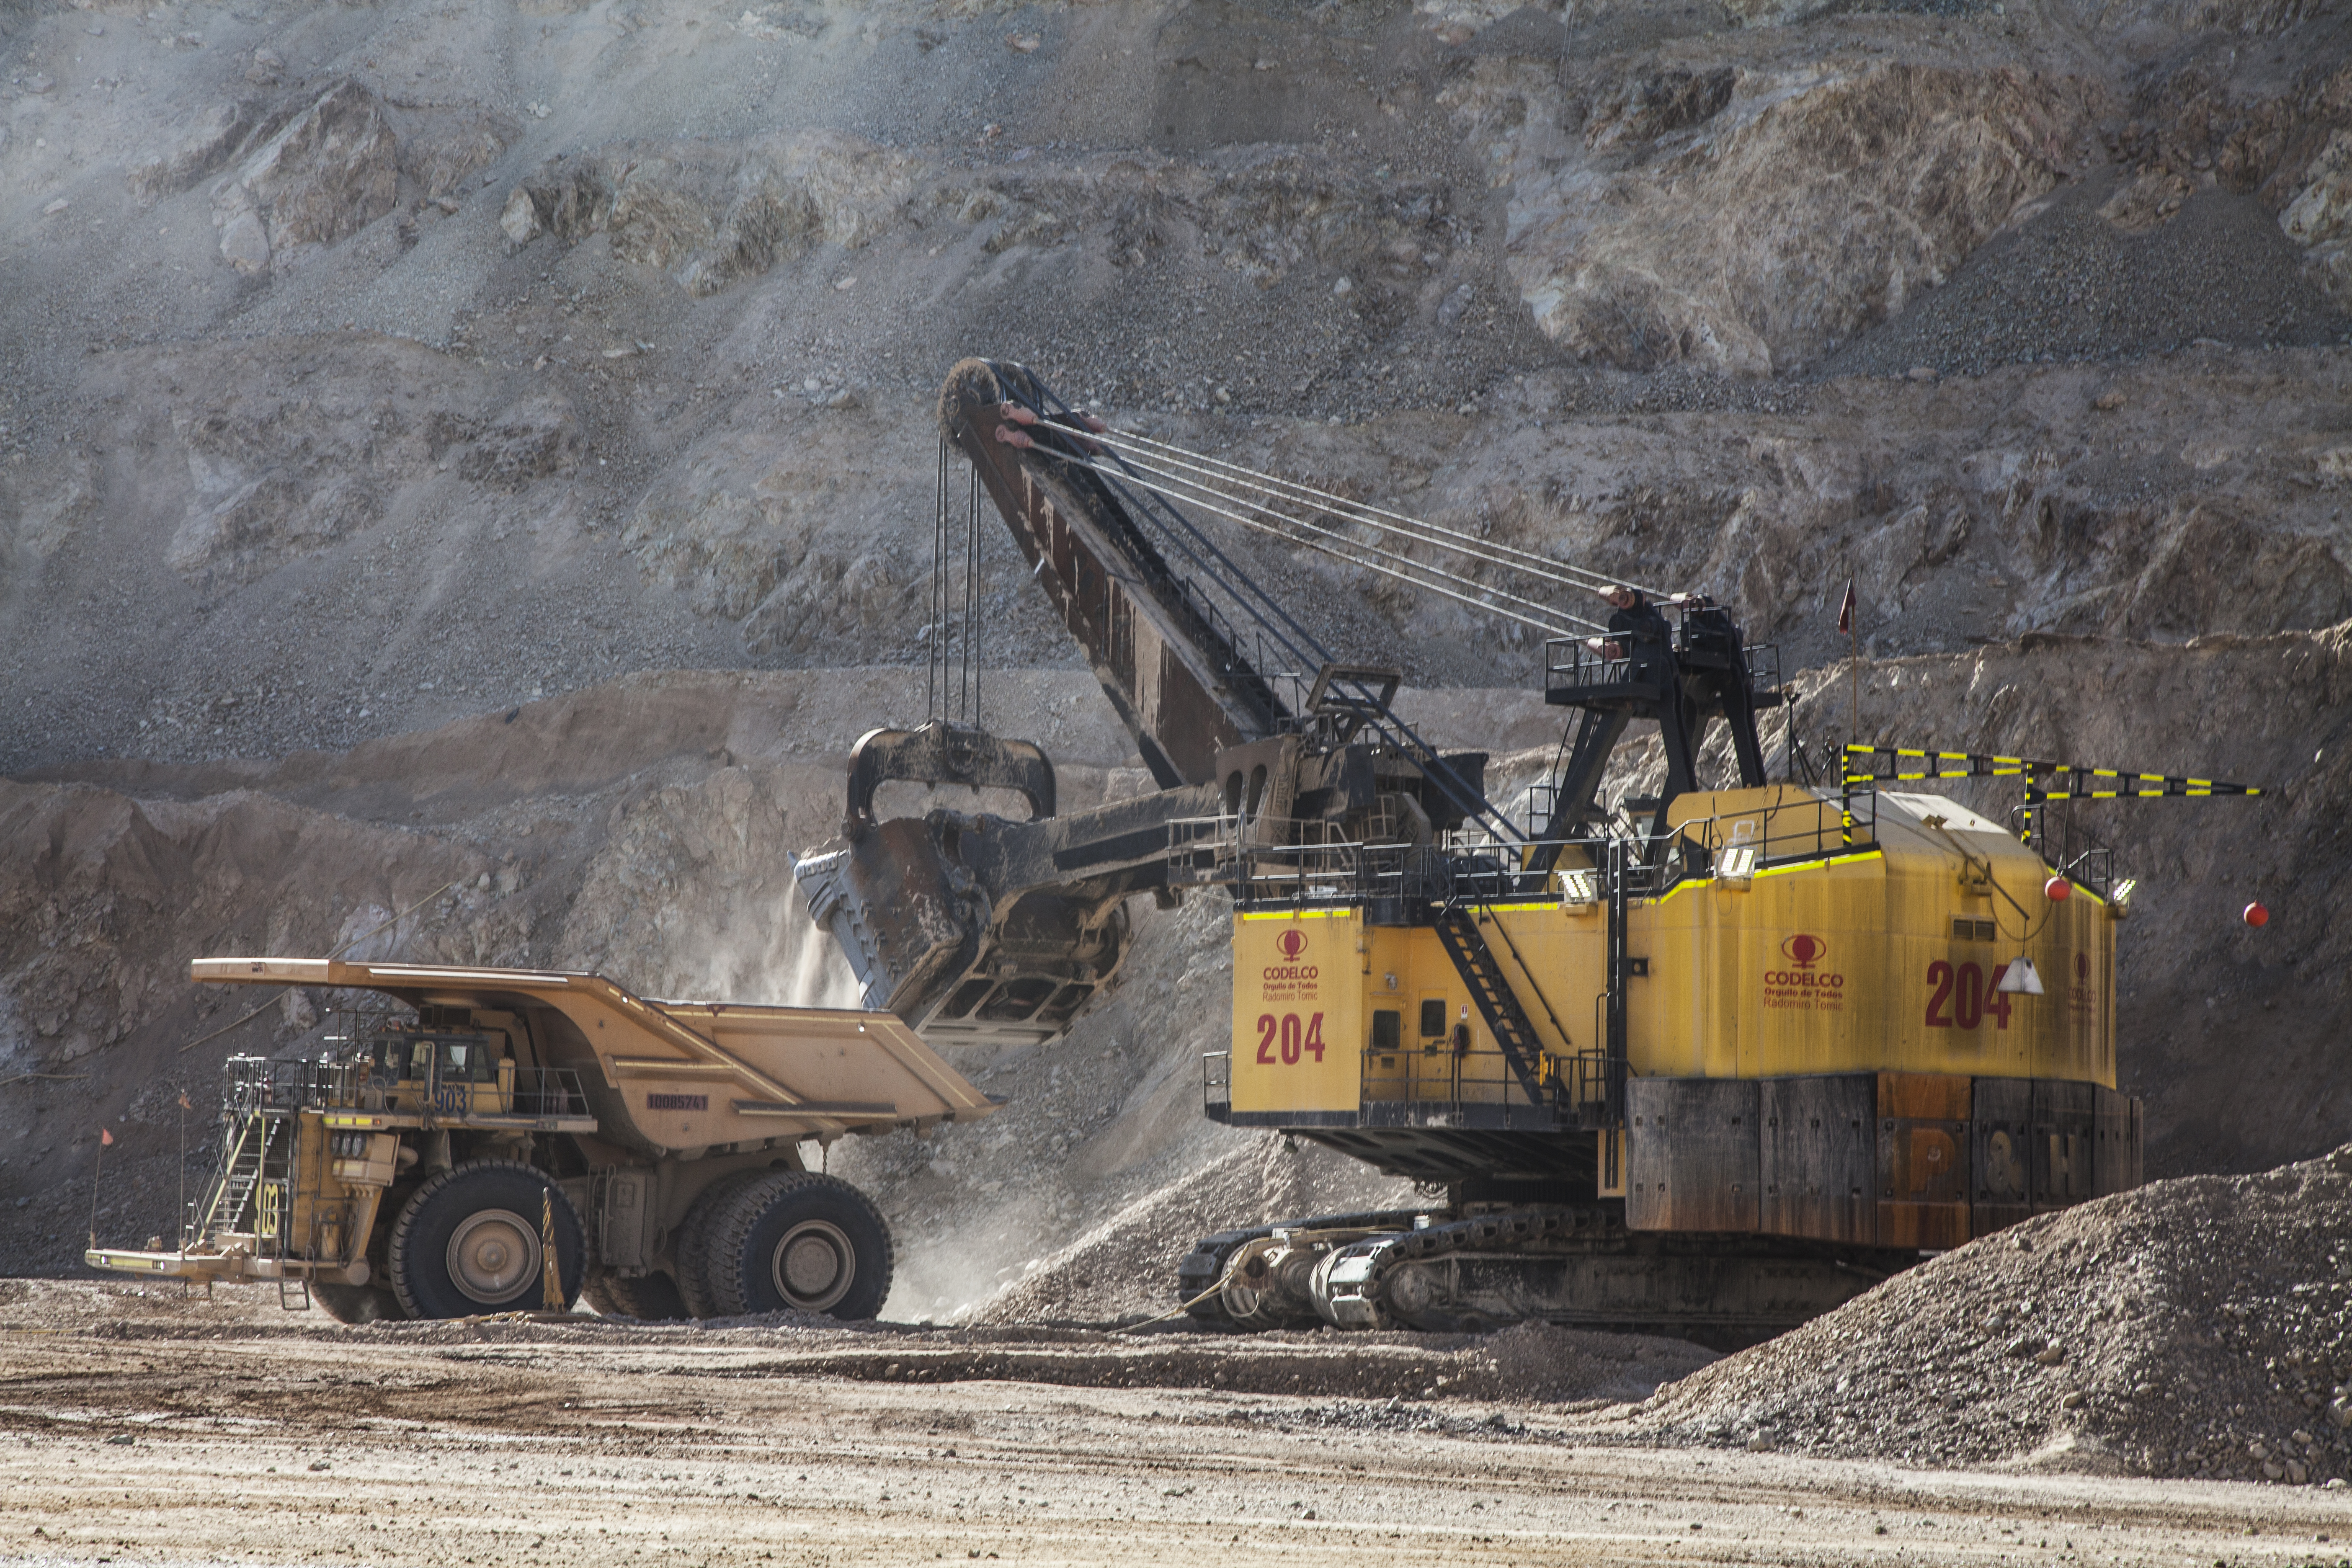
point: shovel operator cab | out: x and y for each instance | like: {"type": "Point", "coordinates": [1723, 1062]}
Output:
{"type": "Point", "coordinates": [1711, 1061]}
{"type": "Point", "coordinates": [482, 1140]}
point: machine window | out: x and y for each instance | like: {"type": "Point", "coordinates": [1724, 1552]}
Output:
{"type": "Point", "coordinates": [1388, 1028]}
{"type": "Point", "coordinates": [1432, 1018]}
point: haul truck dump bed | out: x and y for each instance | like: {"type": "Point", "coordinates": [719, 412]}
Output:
{"type": "Point", "coordinates": [480, 1140]}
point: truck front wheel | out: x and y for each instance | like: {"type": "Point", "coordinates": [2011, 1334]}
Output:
{"type": "Point", "coordinates": [800, 1242]}
{"type": "Point", "coordinates": [472, 1240]}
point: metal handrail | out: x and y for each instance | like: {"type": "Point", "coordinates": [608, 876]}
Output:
{"type": "Point", "coordinates": [1463, 1071]}
{"type": "Point", "coordinates": [1473, 868]}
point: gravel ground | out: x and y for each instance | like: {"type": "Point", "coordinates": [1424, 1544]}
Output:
{"type": "Point", "coordinates": [132, 1431]}
{"type": "Point", "coordinates": [2195, 1327]}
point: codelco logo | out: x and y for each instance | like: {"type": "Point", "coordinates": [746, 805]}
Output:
{"type": "Point", "coordinates": [1291, 944]}
{"type": "Point", "coordinates": [1803, 952]}
{"type": "Point", "coordinates": [2082, 966]}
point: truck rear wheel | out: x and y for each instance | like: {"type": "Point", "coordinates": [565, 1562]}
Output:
{"type": "Point", "coordinates": [800, 1242]}
{"type": "Point", "coordinates": [649, 1298]}
{"type": "Point", "coordinates": [469, 1241]}
{"type": "Point", "coordinates": [694, 1241]}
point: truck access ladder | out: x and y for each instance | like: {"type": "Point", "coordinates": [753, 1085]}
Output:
{"type": "Point", "coordinates": [243, 1171]}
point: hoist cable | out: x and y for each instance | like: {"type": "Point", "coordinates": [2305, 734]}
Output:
{"type": "Point", "coordinates": [1260, 525]}
{"type": "Point", "coordinates": [1565, 574]}
{"type": "Point", "coordinates": [1490, 558]}
{"type": "Point", "coordinates": [1198, 488]}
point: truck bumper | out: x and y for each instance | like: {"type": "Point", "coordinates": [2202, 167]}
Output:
{"type": "Point", "coordinates": [215, 1266]}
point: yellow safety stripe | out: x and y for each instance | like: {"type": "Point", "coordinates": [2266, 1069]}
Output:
{"type": "Point", "coordinates": [1300, 915]}
{"type": "Point", "coordinates": [1782, 870]}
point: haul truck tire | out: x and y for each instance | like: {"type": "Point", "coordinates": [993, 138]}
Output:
{"type": "Point", "coordinates": [469, 1242]}
{"type": "Point", "coordinates": [357, 1303]}
{"type": "Point", "coordinates": [694, 1236]}
{"type": "Point", "coordinates": [800, 1242]}
{"type": "Point", "coordinates": [649, 1298]}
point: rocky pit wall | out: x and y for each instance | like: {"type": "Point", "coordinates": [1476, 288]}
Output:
{"type": "Point", "coordinates": [393, 399]}
{"type": "Point", "coordinates": [373, 367]}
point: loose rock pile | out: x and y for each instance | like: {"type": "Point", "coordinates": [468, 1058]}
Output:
{"type": "Point", "coordinates": [2195, 1327]}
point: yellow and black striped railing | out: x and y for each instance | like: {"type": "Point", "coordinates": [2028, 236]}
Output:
{"type": "Point", "coordinates": [2044, 781]}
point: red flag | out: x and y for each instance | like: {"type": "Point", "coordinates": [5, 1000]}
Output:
{"type": "Point", "coordinates": [105, 1138]}
{"type": "Point", "coordinates": [1845, 610]}
{"type": "Point", "coordinates": [183, 1101]}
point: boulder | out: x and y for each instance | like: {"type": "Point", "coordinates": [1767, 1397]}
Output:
{"type": "Point", "coordinates": [333, 169]}
{"type": "Point", "coordinates": [245, 242]}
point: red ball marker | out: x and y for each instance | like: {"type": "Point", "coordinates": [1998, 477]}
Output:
{"type": "Point", "coordinates": [2058, 889]}
{"type": "Point", "coordinates": [2256, 915]}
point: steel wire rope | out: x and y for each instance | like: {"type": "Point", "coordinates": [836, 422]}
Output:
{"type": "Point", "coordinates": [1337, 553]}
{"type": "Point", "coordinates": [1584, 624]}
{"type": "Point", "coordinates": [971, 601]}
{"type": "Point", "coordinates": [1242, 589]}
{"type": "Point", "coordinates": [1205, 558]}
{"type": "Point", "coordinates": [1488, 593]}
{"type": "Point", "coordinates": [1146, 507]}
{"type": "Point", "coordinates": [1272, 621]}
{"type": "Point", "coordinates": [1460, 585]}
{"type": "Point", "coordinates": [1151, 503]}
{"type": "Point", "coordinates": [935, 654]}
{"type": "Point", "coordinates": [1205, 487]}
{"type": "Point", "coordinates": [1420, 529]}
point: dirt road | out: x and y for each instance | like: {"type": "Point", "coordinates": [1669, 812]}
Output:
{"type": "Point", "coordinates": [139, 1435]}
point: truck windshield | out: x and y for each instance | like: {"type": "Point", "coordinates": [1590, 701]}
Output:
{"type": "Point", "coordinates": [468, 1061]}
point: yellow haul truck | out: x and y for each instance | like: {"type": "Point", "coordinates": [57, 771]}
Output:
{"type": "Point", "coordinates": [487, 1140]}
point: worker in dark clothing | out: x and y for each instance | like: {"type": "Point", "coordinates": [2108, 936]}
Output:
{"type": "Point", "coordinates": [1637, 631]}
{"type": "Point", "coordinates": [1631, 610]}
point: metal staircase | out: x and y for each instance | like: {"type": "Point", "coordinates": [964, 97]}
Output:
{"type": "Point", "coordinates": [244, 1162]}
{"type": "Point", "coordinates": [1457, 930]}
